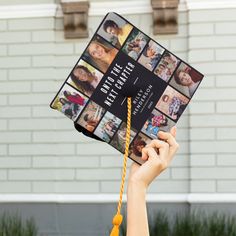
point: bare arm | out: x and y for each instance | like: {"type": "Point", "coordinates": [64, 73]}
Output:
{"type": "Point", "coordinates": [158, 155]}
{"type": "Point", "coordinates": [137, 222]}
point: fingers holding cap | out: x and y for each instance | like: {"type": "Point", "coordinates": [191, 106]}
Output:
{"type": "Point", "coordinates": [169, 138]}
{"type": "Point", "coordinates": [161, 148]}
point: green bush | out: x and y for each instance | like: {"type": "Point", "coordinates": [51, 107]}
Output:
{"type": "Point", "coordinates": [191, 224]}
{"type": "Point", "coordinates": [221, 225]}
{"type": "Point", "coordinates": [159, 224]}
{"type": "Point", "coordinates": [12, 225]}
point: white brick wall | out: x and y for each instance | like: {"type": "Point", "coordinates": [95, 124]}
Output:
{"type": "Point", "coordinates": [167, 186]}
{"type": "Point", "coordinates": [15, 37]}
{"type": "Point", "coordinates": [212, 120]}
{"type": "Point", "coordinates": [200, 186]}
{"type": "Point", "coordinates": [3, 25]}
{"type": "Point", "coordinates": [66, 162]}
{"type": "Point", "coordinates": [40, 152]}
{"type": "Point", "coordinates": [15, 186]}
{"type": "Point", "coordinates": [65, 187]}
{"type": "Point", "coordinates": [36, 24]}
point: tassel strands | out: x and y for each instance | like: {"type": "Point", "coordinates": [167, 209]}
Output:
{"type": "Point", "coordinates": [117, 220]}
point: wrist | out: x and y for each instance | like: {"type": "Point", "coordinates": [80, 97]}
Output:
{"type": "Point", "coordinates": [137, 185]}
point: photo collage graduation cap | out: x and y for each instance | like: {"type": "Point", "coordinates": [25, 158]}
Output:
{"type": "Point", "coordinates": [120, 61]}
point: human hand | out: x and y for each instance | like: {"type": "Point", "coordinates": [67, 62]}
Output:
{"type": "Point", "coordinates": [157, 156]}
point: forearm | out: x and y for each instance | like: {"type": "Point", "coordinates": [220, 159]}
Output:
{"type": "Point", "coordinates": [157, 156]}
{"type": "Point", "coordinates": [137, 221]}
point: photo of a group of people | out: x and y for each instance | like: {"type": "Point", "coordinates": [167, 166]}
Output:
{"type": "Point", "coordinates": [91, 116]}
{"type": "Point", "coordinates": [115, 30]}
{"type": "Point", "coordinates": [85, 78]}
{"type": "Point", "coordinates": [135, 44]}
{"type": "Point", "coordinates": [172, 103]}
{"type": "Point", "coordinates": [156, 122]}
{"type": "Point", "coordinates": [166, 66]}
{"type": "Point", "coordinates": [151, 55]}
{"type": "Point", "coordinates": [70, 102]}
{"type": "Point", "coordinates": [119, 139]}
{"type": "Point", "coordinates": [186, 79]}
{"type": "Point", "coordinates": [107, 127]}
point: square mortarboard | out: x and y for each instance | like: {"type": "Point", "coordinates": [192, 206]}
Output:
{"type": "Point", "coordinates": [121, 61]}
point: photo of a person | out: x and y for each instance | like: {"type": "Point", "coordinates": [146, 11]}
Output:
{"type": "Point", "coordinates": [172, 103]}
{"type": "Point", "coordinates": [135, 44]}
{"type": "Point", "coordinates": [100, 54]}
{"type": "Point", "coordinates": [135, 151]}
{"type": "Point", "coordinates": [186, 80]}
{"type": "Point", "coordinates": [85, 78]}
{"type": "Point", "coordinates": [115, 30]}
{"type": "Point", "coordinates": [74, 98]}
{"type": "Point", "coordinates": [119, 139]}
{"type": "Point", "coordinates": [166, 66]}
{"type": "Point", "coordinates": [156, 122]}
{"type": "Point", "coordinates": [70, 102]}
{"type": "Point", "coordinates": [107, 127]}
{"type": "Point", "coordinates": [91, 116]}
{"type": "Point", "coordinates": [151, 55]}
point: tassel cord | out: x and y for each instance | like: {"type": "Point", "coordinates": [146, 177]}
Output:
{"type": "Point", "coordinates": [117, 220]}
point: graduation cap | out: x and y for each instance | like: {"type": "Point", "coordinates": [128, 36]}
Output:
{"type": "Point", "coordinates": [123, 74]}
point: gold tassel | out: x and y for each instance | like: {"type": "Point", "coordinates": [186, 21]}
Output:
{"type": "Point", "coordinates": [117, 220]}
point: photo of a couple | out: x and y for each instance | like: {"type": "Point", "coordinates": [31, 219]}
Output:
{"type": "Point", "coordinates": [70, 102]}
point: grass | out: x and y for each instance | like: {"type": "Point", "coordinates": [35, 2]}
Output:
{"type": "Point", "coordinates": [191, 224]}
{"type": "Point", "coordinates": [13, 225]}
